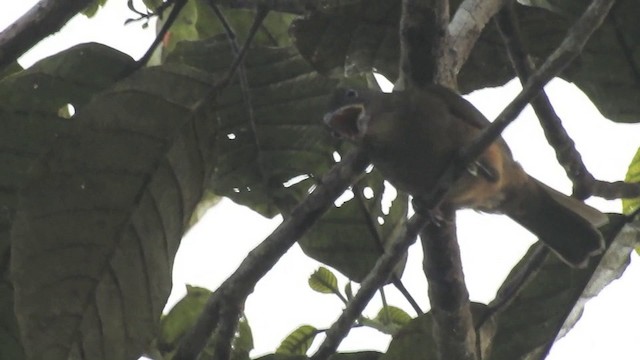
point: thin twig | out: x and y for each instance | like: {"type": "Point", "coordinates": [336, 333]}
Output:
{"type": "Point", "coordinates": [260, 15]}
{"type": "Point", "coordinates": [246, 90]}
{"type": "Point", "coordinates": [173, 15]}
{"type": "Point", "coordinates": [555, 133]}
{"type": "Point", "coordinates": [146, 16]}
{"type": "Point", "coordinates": [371, 283]}
{"type": "Point", "coordinates": [571, 46]}
{"type": "Point", "coordinates": [262, 258]}
{"type": "Point", "coordinates": [226, 80]}
{"type": "Point", "coordinates": [373, 230]}
{"type": "Point", "coordinates": [397, 283]}
{"type": "Point", "coordinates": [42, 20]}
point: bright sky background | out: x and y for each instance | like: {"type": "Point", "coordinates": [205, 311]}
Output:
{"type": "Point", "coordinates": [490, 244]}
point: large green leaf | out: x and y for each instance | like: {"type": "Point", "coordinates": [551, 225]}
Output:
{"type": "Point", "coordinates": [362, 36]}
{"type": "Point", "coordinates": [608, 68]}
{"type": "Point", "coordinates": [99, 223]}
{"type": "Point", "coordinates": [10, 344]}
{"type": "Point", "coordinates": [274, 136]}
{"type": "Point", "coordinates": [415, 341]}
{"type": "Point", "coordinates": [181, 318]}
{"type": "Point", "coordinates": [29, 123]}
{"type": "Point", "coordinates": [352, 237]}
{"type": "Point", "coordinates": [553, 299]}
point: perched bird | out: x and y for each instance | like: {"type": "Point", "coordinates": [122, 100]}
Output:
{"type": "Point", "coordinates": [411, 138]}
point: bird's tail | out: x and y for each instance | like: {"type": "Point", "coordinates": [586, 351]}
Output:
{"type": "Point", "coordinates": [564, 224]}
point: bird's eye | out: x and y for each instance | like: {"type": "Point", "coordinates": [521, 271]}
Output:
{"type": "Point", "coordinates": [351, 94]}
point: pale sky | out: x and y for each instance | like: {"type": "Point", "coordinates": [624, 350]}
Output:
{"type": "Point", "coordinates": [490, 245]}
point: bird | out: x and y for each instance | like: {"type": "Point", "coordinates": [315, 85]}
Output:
{"type": "Point", "coordinates": [412, 136]}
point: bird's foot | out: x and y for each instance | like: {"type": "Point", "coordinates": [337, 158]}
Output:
{"type": "Point", "coordinates": [434, 216]}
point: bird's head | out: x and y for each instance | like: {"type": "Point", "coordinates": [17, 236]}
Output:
{"type": "Point", "coordinates": [348, 117]}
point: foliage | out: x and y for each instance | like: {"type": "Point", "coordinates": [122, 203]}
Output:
{"type": "Point", "coordinates": [94, 201]}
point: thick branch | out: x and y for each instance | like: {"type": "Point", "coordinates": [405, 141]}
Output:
{"type": "Point", "coordinates": [225, 331]}
{"type": "Point", "coordinates": [443, 71]}
{"type": "Point", "coordinates": [417, 56]}
{"type": "Point", "coordinates": [615, 190]}
{"type": "Point", "coordinates": [453, 331]}
{"type": "Point", "coordinates": [261, 259]}
{"type": "Point", "coordinates": [42, 20]}
{"type": "Point", "coordinates": [372, 282]}
{"type": "Point", "coordinates": [512, 287]}
{"type": "Point", "coordinates": [465, 28]}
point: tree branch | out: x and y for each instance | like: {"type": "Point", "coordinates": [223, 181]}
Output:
{"type": "Point", "coordinates": [373, 229]}
{"type": "Point", "coordinates": [615, 190]}
{"type": "Point", "coordinates": [230, 314]}
{"type": "Point", "coordinates": [417, 57]}
{"type": "Point", "coordinates": [443, 70]}
{"type": "Point", "coordinates": [453, 329]}
{"type": "Point", "coordinates": [465, 28]}
{"type": "Point", "coordinates": [570, 47]}
{"type": "Point", "coordinates": [371, 283]}
{"type": "Point", "coordinates": [173, 15]}
{"type": "Point", "coordinates": [42, 20]}
{"type": "Point", "coordinates": [262, 258]}
{"type": "Point", "coordinates": [584, 184]}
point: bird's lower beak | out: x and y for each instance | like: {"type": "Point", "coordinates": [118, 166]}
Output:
{"type": "Point", "coordinates": [344, 121]}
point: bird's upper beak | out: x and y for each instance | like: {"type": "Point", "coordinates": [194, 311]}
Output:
{"type": "Point", "coordinates": [347, 121]}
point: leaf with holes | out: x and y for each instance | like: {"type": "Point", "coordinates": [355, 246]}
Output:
{"type": "Point", "coordinates": [99, 223]}
{"type": "Point", "coordinates": [29, 123]}
{"type": "Point", "coordinates": [351, 237]}
{"type": "Point", "coordinates": [270, 133]}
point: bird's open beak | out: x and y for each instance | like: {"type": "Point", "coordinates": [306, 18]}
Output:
{"type": "Point", "coordinates": [344, 121]}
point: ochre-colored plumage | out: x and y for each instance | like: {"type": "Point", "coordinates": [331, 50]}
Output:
{"type": "Point", "coordinates": [412, 137]}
